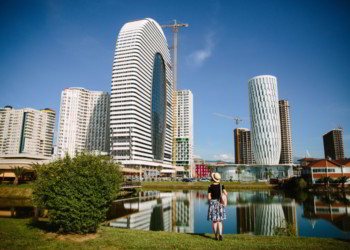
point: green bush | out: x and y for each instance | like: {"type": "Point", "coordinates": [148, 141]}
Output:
{"type": "Point", "coordinates": [301, 184]}
{"type": "Point", "coordinates": [77, 191]}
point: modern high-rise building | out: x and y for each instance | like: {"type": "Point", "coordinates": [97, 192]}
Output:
{"type": "Point", "coordinates": [286, 133]}
{"type": "Point", "coordinates": [265, 119]}
{"type": "Point", "coordinates": [243, 146]}
{"type": "Point", "coordinates": [184, 128]}
{"type": "Point", "coordinates": [26, 131]}
{"type": "Point", "coordinates": [333, 143]}
{"type": "Point", "coordinates": [141, 97]}
{"type": "Point", "coordinates": [84, 122]}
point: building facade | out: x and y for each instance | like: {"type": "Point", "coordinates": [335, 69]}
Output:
{"type": "Point", "coordinates": [333, 143]}
{"type": "Point", "coordinates": [286, 133]}
{"type": "Point", "coordinates": [243, 146]}
{"type": "Point", "coordinates": [26, 131]}
{"type": "Point", "coordinates": [265, 119]}
{"type": "Point", "coordinates": [141, 97]}
{"type": "Point", "coordinates": [84, 121]}
{"type": "Point", "coordinates": [184, 128]}
{"type": "Point", "coordinates": [326, 168]}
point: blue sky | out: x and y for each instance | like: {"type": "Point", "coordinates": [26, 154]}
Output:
{"type": "Point", "coordinates": [46, 46]}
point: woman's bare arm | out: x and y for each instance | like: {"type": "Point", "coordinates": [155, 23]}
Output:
{"type": "Point", "coordinates": [209, 196]}
{"type": "Point", "coordinates": [225, 192]}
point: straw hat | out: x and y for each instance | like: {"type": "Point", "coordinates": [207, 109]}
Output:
{"type": "Point", "coordinates": [216, 177]}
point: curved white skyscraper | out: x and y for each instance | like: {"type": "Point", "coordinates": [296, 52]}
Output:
{"type": "Point", "coordinates": [265, 119]}
{"type": "Point", "coordinates": [141, 96]}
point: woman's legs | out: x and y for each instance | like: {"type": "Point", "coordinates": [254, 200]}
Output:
{"type": "Point", "coordinates": [214, 226]}
{"type": "Point", "coordinates": [220, 225]}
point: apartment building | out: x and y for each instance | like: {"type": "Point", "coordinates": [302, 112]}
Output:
{"type": "Point", "coordinates": [184, 128]}
{"type": "Point", "coordinates": [286, 133]}
{"type": "Point", "coordinates": [84, 122]}
{"type": "Point", "coordinates": [26, 131]}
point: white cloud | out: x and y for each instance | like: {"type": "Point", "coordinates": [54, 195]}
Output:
{"type": "Point", "coordinates": [199, 56]}
{"type": "Point", "coordinates": [224, 157]}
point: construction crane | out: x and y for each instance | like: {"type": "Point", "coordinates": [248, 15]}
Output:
{"type": "Point", "coordinates": [236, 119]}
{"type": "Point", "coordinates": [176, 29]}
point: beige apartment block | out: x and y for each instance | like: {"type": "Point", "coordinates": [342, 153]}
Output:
{"type": "Point", "coordinates": [26, 131]}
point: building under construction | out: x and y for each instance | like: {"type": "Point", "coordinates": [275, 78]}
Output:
{"type": "Point", "coordinates": [243, 146]}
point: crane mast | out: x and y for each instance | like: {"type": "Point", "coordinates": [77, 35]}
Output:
{"type": "Point", "coordinates": [175, 31]}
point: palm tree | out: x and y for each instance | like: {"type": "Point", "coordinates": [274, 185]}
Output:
{"type": "Point", "coordinates": [239, 171]}
{"type": "Point", "coordinates": [343, 180]}
{"type": "Point", "coordinates": [269, 174]}
{"type": "Point", "coordinates": [212, 169]}
{"type": "Point", "coordinates": [18, 171]}
{"type": "Point", "coordinates": [159, 168]}
{"type": "Point", "coordinates": [2, 173]}
{"type": "Point", "coordinates": [186, 167]}
{"type": "Point", "coordinates": [325, 180]}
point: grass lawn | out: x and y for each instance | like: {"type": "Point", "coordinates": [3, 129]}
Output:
{"type": "Point", "coordinates": [19, 234]}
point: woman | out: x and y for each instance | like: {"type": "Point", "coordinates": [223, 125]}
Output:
{"type": "Point", "coordinates": [216, 211]}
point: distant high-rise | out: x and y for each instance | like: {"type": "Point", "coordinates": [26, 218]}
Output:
{"type": "Point", "coordinates": [83, 121]}
{"type": "Point", "coordinates": [141, 97]}
{"type": "Point", "coordinates": [184, 129]}
{"type": "Point", "coordinates": [26, 131]}
{"type": "Point", "coordinates": [286, 133]}
{"type": "Point", "coordinates": [243, 146]}
{"type": "Point", "coordinates": [265, 119]}
{"type": "Point", "coordinates": [334, 144]}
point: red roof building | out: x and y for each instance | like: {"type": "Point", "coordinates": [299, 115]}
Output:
{"type": "Point", "coordinates": [321, 168]}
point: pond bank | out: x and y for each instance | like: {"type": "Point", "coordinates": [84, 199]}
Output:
{"type": "Point", "coordinates": [230, 186]}
{"type": "Point", "coordinates": [20, 234]}
{"type": "Point", "coordinates": [26, 191]}
{"type": "Point", "coordinates": [15, 192]}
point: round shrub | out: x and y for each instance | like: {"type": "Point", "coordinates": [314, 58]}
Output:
{"type": "Point", "coordinates": [77, 191]}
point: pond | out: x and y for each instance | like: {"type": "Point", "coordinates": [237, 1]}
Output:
{"type": "Point", "coordinates": [249, 212]}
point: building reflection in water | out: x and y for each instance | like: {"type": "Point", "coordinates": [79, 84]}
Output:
{"type": "Point", "coordinates": [156, 211]}
{"type": "Point", "coordinates": [257, 213]}
{"type": "Point", "coordinates": [261, 213]}
{"type": "Point", "coordinates": [332, 208]}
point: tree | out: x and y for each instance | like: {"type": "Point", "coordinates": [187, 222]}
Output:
{"type": "Point", "coordinates": [186, 167]}
{"type": "Point", "coordinates": [77, 191]}
{"type": "Point", "coordinates": [18, 171]}
{"type": "Point", "coordinates": [343, 180]}
{"type": "Point", "coordinates": [325, 180]}
{"type": "Point", "coordinates": [269, 174]}
{"type": "Point", "coordinates": [212, 169]}
{"type": "Point", "coordinates": [159, 168]}
{"type": "Point", "coordinates": [239, 171]}
{"type": "Point", "coordinates": [2, 172]}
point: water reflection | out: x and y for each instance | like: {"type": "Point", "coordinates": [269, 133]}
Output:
{"type": "Point", "coordinates": [153, 210]}
{"type": "Point", "coordinates": [332, 208]}
{"type": "Point", "coordinates": [252, 212]}
{"type": "Point", "coordinates": [21, 208]}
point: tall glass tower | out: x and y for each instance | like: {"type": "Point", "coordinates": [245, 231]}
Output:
{"type": "Point", "coordinates": [141, 97]}
{"type": "Point", "coordinates": [265, 119]}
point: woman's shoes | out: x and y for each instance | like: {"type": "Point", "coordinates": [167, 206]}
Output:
{"type": "Point", "coordinates": [217, 236]}
{"type": "Point", "coordinates": [221, 237]}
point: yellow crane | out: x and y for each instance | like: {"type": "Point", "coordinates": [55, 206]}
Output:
{"type": "Point", "coordinates": [175, 30]}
